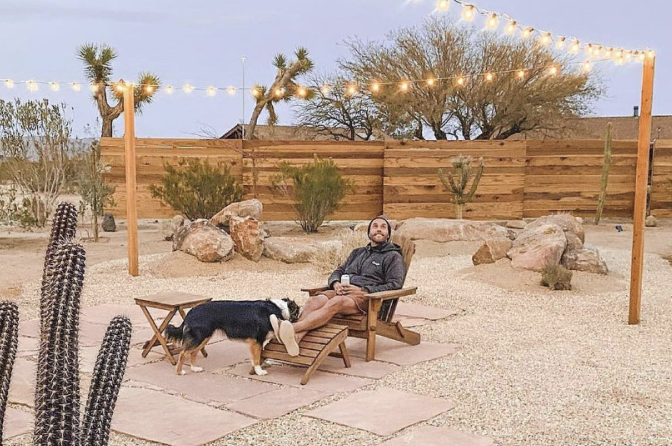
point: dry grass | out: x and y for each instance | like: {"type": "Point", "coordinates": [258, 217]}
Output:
{"type": "Point", "coordinates": [556, 277]}
{"type": "Point", "coordinates": [332, 256]}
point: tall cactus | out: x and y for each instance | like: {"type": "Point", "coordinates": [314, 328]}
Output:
{"type": "Point", "coordinates": [57, 390]}
{"type": "Point", "coordinates": [107, 377]}
{"type": "Point", "coordinates": [462, 166]}
{"type": "Point", "coordinates": [9, 338]}
{"type": "Point", "coordinates": [606, 167]}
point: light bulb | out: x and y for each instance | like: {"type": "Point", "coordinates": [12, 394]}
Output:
{"type": "Point", "coordinates": [119, 87]}
{"type": "Point", "coordinates": [521, 74]}
{"type": "Point", "coordinates": [404, 86]}
{"type": "Point", "coordinates": [587, 66]}
{"type": "Point", "coordinates": [590, 50]}
{"type": "Point", "coordinates": [301, 92]}
{"type": "Point", "coordinates": [375, 87]}
{"type": "Point", "coordinates": [188, 88]}
{"type": "Point", "coordinates": [93, 88]}
{"type": "Point", "coordinates": [31, 85]}
{"type": "Point", "coordinates": [352, 89]}
{"type": "Point", "coordinates": [55, 86]}
{"type": "Point", "coordinates": [493, 21]}
{"type": "Point", "coordinates": [468, 12]}
{"type": "Point", "coordinates": [231, 90]}
{"type": "Point", "coordinates": [608, 53]}
{"type": "Point", "coordinates": [526, 33]}
{"type": "Point", "coordinates": [489, 77]}
{"type": "Point", "coordinates": [169, 89]}
{"type": "Point", "coordinates": [511, 28]}
{"type": "Point", "coordinates": [443, 5]}
{"type": "Point", "coordinates": [650, 54]}
{"type": "Point", "coordinates": [325, 89]}
{"type": "Point", "coordinates": [553, 70]}
{"type": "Point", "coordinates": [575, 47]}
{"type": "Point", "coordinates": [461, 81]}
{"type": "Point", "coordinates": [211, 91]}
{"type": "Point", "coordinates": [76, 86]}
{"type": "Point", "coordinates": [431, 82]}
{"type": "Point", "coordinates": [560, 43]}
{"type": "Point", "coordinates": [641, 55]}
{"type": "Point", "coordinates": [149, 89]}
{"type": "Point", "coordinates": [545, 39]}
{"type": "Point", "coordinates": [9, 83]}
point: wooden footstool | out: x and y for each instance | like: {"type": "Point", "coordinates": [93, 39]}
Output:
{"type": "Point", "coordinates": [313, 349]}
{"type": "Point", "coordinates": [173, 303]}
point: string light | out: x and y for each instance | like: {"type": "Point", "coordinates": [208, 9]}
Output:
{"type": "Point", "coordinates": [511, 27]}
{"type": "Point", "coordinates": [149, 89]}
{"type": "Point", "coordinates": [279, 92]}
{"type": "Point", "coordinates": [169, 89]}
{"type": "Point", "coordinates": [351, 90]}
{"type": "Point", "coordinates": [526, 33]}
{"type": "Point", "coordinates": [230, 90]}
{"type": "Point", "coordinates": [31, 85]}
{"type": "Point", "coordinates": [575, 47]}
{"type": "Point", "coordinates": [301, 92]}
{"type": "Point", "coordinates": [9, 83]}
{"type": "Point", "coordinates": [76, 86]}
{"type": "Point", "coordinates": [521, 74]}
{"type": "Point", "coordinates": [587, 66]}
{"type": "Point", "coordinates": [375, 87]}
{"type": "Point", "coordinates": [545, 39]}
{"type": "Point", "coordinates": [553, 70]}
{"type": "Point", "coordinates": [188, 88]}
{"type": "Point", "coordinates": [431, 81]}
{"type": "Point", "coordinates": [404, 86]}
{"type": "Point", "coordinates": [325, 89]}
{"type": "Point", "coordinates": [461, 81]}
{"type": "Point", "coordinates": [54, 86]}
{"type": "Point", "coordinates": [443, 5]}
{"type": "Point", "coordinates": [211, 91]}
{"type": "Point", "coordinates": [468, 12]}
{"type": "Point", "coordinates": [560, 42]}
{"type": "Point", "coordinates": [489, 77]}
{"type": "Point", "coordinates": [493, 21]}
{"type": "Point", "coordinates": [93, 88]}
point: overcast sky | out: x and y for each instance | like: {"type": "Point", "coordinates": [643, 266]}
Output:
{"type": "Point", "coordinates": [201, 43]}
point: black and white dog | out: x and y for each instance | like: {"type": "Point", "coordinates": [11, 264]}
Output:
{"type": "Point", "coordinates": [247, 320]}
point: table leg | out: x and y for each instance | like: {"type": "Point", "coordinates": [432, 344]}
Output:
{"type": "Point", "coordinates": [158, 334]}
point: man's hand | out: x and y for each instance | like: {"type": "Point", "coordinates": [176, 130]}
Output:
{"type": "Point", "coordinates": [352, 290]}
{"type": "Point", "coordinates": [338, 287]}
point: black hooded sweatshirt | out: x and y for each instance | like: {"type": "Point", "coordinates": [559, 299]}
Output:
{"type": "Point", "coordinates": [373, 269]}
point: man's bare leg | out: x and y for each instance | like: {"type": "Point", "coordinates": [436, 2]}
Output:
{"type": "Point", "coordinates": [320, 316]}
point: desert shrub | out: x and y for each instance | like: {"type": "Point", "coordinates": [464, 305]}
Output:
{"type": "Point", "coordinates": [96, 193]}
{"type": "Point", "coordinates": [317, 189]}
{"type": "Point", "coordinates": [556, 277]}
{"type": "Point", "coordinates": [331, 256]}
{"type": "Point", "coordinates": [15, 210]}
{"type": "Point", "coordinates": [197, 189]}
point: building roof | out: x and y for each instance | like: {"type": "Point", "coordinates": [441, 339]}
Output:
{"type": "Point", "coordinates": [623, 127]}
{"type": "Point", "coordinates": [282, 132]}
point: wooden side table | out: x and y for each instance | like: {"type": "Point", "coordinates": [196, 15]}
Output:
{"type": "Point", "coordinates": [173, 303]}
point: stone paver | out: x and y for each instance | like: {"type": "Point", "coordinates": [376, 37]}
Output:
{"type": "Point", "coordinates": [439, 436]}
{"type": "Point", "coordinates": [22, 385]}
{"type": "Point", "coordinates": [103, 314]}
{"type": "Point", "coordinates": [30, 328]}
{"type": "Point", "coordinates": [423, 311]}
{"type": "Point", "coordinates": [383, 411]}
{"type": "Point", "coordinates": [399, 353]}
{"type": "Point", "coordinates": [409, 322]}
{"type": "Point", "coordinates": [277, 403]}
{"type": "Point", "coordinates": [17, 422]}
{"type": "Point", "coordinates": [28, 346]}
{"type": "Point", "coordinates": [359, 367]}
{"type": "Point", "coordinates": [92, 334]}
{"type": "Point", "coordinates": [202, 387]}
{"type": "Point", "coordinates": [223, 354]}
{"type": "Point", "coordinates": [88, 355]}
{"type": "Point", "coordinates": [172, 420]}
{"type": "Point", "coordinates": [291, 376]}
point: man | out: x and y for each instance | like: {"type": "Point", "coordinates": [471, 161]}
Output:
{"type": "Point", "coordinates": [379, 266]}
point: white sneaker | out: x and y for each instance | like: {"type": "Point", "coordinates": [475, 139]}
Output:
{"type": "Point", "coordinates": [286, 336]}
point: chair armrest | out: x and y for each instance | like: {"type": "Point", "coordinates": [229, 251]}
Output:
{"type": "Point", "coordinates": [313, 291]}
{"type": "Point", "coordinates": [392, 294]}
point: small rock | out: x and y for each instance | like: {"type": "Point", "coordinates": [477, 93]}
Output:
{"type": "Point", "coordinates": [109, 224]}
{"type": "Point", "coordinates": [491, 251]}
{"type": "Point", "coordinates": [516, 224]}
{"type": "Point", "coordinates": [169, 227]}
{"type": "Point", "coordinates": [537, 246]}
{"type": "Point", "coordinates": [651, 221]}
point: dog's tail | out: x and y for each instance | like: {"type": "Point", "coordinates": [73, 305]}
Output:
{"type": "Point", "coordinates": [174, 334]}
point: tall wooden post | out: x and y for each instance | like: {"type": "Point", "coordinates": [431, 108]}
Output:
{"type": "Point", "coordinates": [131, 202]}
{"type": "Point", "coordinates": [641, 183]}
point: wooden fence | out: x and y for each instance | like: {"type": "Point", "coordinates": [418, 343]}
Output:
{"type": "Point", "coordinates": [521, 179]}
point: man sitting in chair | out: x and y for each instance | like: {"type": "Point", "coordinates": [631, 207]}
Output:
{"type": "Point", "coordinates": [378, 266]}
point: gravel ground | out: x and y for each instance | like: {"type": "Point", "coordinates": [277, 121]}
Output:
{"type": "Point", "coordinates": [533, 368]}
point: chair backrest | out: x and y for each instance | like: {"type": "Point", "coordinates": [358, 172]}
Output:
{"type": "Point", "coordinates": [407, 249]}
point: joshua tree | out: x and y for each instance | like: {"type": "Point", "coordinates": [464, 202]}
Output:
{"type": "Point", "coordinates": [98, 68]}
{"type": "Point", "coordinates": [284, 87]}
{"type": "Point", "coordinates": [57, 397]}
{"type": "Point", "coordinates": [605, 175]}
{"type": "Point", "coordinates": [462, 166]}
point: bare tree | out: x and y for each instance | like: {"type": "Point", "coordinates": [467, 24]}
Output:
{"type": "Point", "coordinates": [98, 68]}
{"type": "Point", "coordinates": [36, 145]}
{"type": "Point", "coordinates": [336, 112]}
{"type": "Point", "coordinates": [440, 53]}
{"type": "Point", "coordinates": [283, 88]}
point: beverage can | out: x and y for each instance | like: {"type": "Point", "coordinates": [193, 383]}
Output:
{"type": "Point", "coordinates": [345, 279]}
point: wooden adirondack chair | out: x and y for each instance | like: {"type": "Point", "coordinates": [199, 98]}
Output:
{"type": "Point", "coordinates": [382, 305]}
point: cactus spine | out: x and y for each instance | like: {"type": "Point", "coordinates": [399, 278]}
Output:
{"type": "Point", "coordinates": [458, 185]}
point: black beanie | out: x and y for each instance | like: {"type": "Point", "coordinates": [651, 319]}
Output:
{"type": "Point", "coordinates": [389, 227]}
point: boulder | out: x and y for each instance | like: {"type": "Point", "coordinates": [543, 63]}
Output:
{"type": "Point", "coordinates": [169, 227]}
{"type": "Point", "coordinates": [651, 221]}
{"type": "Point", "coordinates": [585, 259]}
{"type": "Point", "coordinates": [290, 249]}
{"type": "Point", "coordinates": [491, 251]}
{"type": "Point", "coordinates": [567, 222]}
{"type": "Point", "coordinates": [447, 230]}
{"type": "Point", "coordinates": [109, 225]}
{"type": "Point", "coordinates": [248, 208]}
{"type": "Point", "coordinates": [537, 246]}
{"type": "Point", "coordinates": [248, 237]}
{"type": "Point", "coordinates": [204, 241]}
{"type": "Point", "coordinates": [574, 243]}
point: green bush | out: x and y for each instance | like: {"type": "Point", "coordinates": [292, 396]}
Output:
{"type": "Point", "coordinates": [197, 189]}
{"type": "Point", "coordinates": [556, 277]}
{"type": "Point", "coordinates": [317, 190]}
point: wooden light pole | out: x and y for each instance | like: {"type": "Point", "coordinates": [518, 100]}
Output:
{"type": "Point", "coordinates": [131, 202]}
{"type": "Point", "coordinates": [641, 183]}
